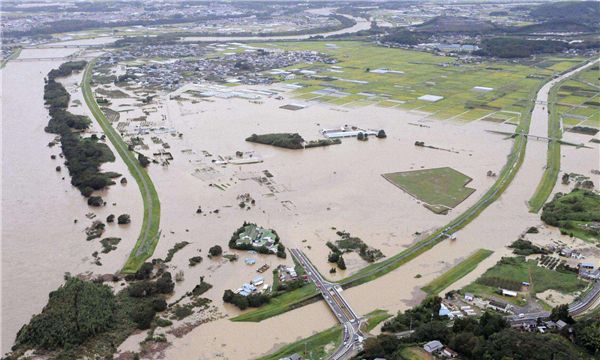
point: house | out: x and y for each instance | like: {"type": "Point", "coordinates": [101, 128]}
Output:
{"type": "Point", "coordinates": [561, 325]}
{"type": "Point", "coordinates": [469, 297]}
{"type": "Point", "coordinates": [444, 311]}
{"type": "Point", "coordinates": [433, 346]}
{"type": "Point", "coordinates": [499, 306]}
{"type": "Point", "coordinates": [449, 353]}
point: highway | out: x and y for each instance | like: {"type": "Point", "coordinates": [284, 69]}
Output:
{"type": "Point", "coordinates": [351, 321]}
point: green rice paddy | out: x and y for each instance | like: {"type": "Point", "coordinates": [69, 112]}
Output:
{"type": "Point", "coordinates": [419, 73]}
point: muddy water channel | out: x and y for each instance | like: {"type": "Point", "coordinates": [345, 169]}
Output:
{"type": "Point", "coordinates": [40, 239]}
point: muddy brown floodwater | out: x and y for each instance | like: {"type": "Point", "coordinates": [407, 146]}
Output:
{"type": "Point", "coordinates": [40, 241]}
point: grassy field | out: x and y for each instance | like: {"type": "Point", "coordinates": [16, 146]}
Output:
{"type": "Point", "coordinates": [149, 235]}
{"type": "Point", "coordinates": [441, 186]}
{"type": "Point", "coordinates": [280, 304]}
{"type": "Point", "coordinates": [318, 346]}
{"type": "Point", "coordinates": [517, 269]}
{"type": "Point", "coordinates": [415, 353]}
{"type": "Point", "coordinates": [417, 74]}
{"type": "Point", "coordinates": [457, 272]}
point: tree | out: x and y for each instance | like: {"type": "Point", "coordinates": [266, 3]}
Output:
{"type": "Point", "coordinates": [164, 284]}
{"type": "Point", "coordinates": [381, 134]}
{"type": "Point", "coordinates": [215, 250]}
{"type": "Point", "coordinates": [566, 179]}
{"type": "Point", "coordinates": [587, 334]}
{"type": "Point", "coordinates": [360, 136]}
{"type": "Point", "coordinates": [95, 201]}
{"type": "Point", "coordinates": [281, 251]}
{"type": "Point", "coordinates": [561, 312]}
{"type": "Point", "coordinates": [159, 305]}
{"type": "Point", "coordinates": [124, 219]}
{"type": "Point", "coordinates": [110, 218]}
{"type": "Point", "coordinates": [341, 263]}
{"type": "Point", "coordinates": [333, 257]}
{"type": "Point", "coordinates": [143, 315]}
{"type": "Point", "coordinates": [76, 311]}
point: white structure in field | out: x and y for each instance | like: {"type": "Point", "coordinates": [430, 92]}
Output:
{"type": "Point", "coordinates": [430, 98]}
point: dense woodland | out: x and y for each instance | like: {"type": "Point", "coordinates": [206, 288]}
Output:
{"type": "Point", "coordinates": [568, 210]}
{"type": "Point", "coordinates": [84, 155]}
{"type": "Point", "coordinates": [85, 317]}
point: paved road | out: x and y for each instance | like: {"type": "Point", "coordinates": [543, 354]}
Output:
{"type": "Point", "coordinates": [351, 322]}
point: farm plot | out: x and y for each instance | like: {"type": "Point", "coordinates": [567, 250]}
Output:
{"type": "Point", "coordinates": [440, 188]}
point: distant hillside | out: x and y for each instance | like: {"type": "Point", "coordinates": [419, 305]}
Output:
{"type": "Point", "coordinates": [456, 24]}
{"type": "Point", "coordinates": [583, 12]}
{"type": "Point", "coordinates": [560, 26]}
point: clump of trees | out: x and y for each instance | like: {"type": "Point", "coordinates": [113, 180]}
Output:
{"type": "Point", "coordinates": [567, 210]}
{"type": "Point", "coordinates": [123, 219]}
{"type": "Point", "coordinates": [514, 47]}
{"type": "Point", "coordinates": [284, 140]}
{"type": "Point", "coordinates": [243, 302]}
{"type": "Point", "coordinates": [215, 250]}
{"type": "Point", "coordinates": [75, 312]}
{"type": "Point", "coordinates": [525, 248]}
{"type": "Point", "coordinates": [84, 156]}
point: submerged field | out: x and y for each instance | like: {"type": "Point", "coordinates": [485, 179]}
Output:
{"type": "Point", "coordinates": [367, 74]}
{"type": "Point", "coordinates": [441, 187]}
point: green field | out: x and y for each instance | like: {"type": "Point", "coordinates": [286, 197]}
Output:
{"type": "Point", "coordinates": [517, 270]}
{"type": "Point", "coordinates": [441, 186]}
{"type": "Point", "coordinates": [319, 345]}
{"type": "Point", "coordinates": [457, 272]}
{"type": "Point", "coordinates": [423, 73]}
{"type": "Point", "coordinates": [280, 304]}
{"type": "Point", "coordinates": [149, 235]}
{"type": "Point", "coordinates": [578, 99]}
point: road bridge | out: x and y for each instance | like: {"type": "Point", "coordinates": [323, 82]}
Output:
{"type": "Point", "coordinates": [331, 292]}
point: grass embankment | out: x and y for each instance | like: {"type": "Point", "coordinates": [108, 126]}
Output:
{"type": "Point", "coordinates": [149, 235]}
{"type": "Point", "coordinates": [579, 96]}
{"type": "Point", "coordinates": [320, 345]}
{"type": "Point", "coordinates": [12, 56]}
{"type": "Point", "coordinates": [509, 273]}
{"type": "Point", "coordinates": [282, 303]}
{"type": "Point", "coordinates": [457, 272]}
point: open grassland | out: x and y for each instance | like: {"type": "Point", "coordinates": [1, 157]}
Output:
{"type": "Point", "coordinates": [415, 353]}
{"type": "Point", "coordinates": [509, 273]}
{"type": "Point", "coordinates": [415, 74]}
{"type": "Point", "coordinates": [318, 346]}
{"type": "Point", "coordinates": [457, 272]}
{"type": "Point", "coordinates": [149, 235]}
{"type": "Point", "coordinates": [441, 186]}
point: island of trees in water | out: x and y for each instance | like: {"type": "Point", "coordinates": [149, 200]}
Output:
{"type": "Point", "coordinates": [84, 155]}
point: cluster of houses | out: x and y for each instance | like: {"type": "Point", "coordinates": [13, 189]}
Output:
{"type": "Point", "coordinates": [257, 284]}
{"type": "Point", "coordinates": [258, 237]}
{"type": "Point", "coordinates": [286, 273]}
{"type": "Point", "coordinates": [247, 66]}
